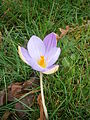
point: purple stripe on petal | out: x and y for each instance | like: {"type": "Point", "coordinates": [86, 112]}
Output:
{"type": "Point", "coordinates": [24, 55]}
{"type": "Point", "coordinates": [49, 55]}
{"type": "Point", "coordinates": [51, 70]}
{"type": "Point", "coordinates": [52, 56]}
{"type": "Point", "coordinates": [50, 41]}
{"type": "Point", "coordinates": [36, 47]}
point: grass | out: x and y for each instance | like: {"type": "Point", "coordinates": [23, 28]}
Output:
{"type": "Point", "coordinates": [67, 91]}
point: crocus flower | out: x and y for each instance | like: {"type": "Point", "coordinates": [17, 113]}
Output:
{"type": "Point", "coordinates": [41, 55]}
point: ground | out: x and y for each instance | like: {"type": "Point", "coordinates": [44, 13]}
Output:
{"type": "Point", "coordinates": [67, 91]}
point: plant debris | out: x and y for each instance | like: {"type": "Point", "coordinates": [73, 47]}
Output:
{"type": "Point", "coordinates": [42, 115]}
{"type": "Point", "coordinates": [6, 115]}
{"type": "Point", "coordinates": [2, 97]}
{"type": "Point", "coordinates": [28, 101]}
{"type": "Point", "coordinates": [9, 116]}
{"type": "Point", "coordinates": [63, 33]}
{"type": "Point", "coordinates": [23, 93]}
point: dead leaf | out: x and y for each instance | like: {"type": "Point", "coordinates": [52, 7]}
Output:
{"type": "Point", "coordinates": [2, 97]}
{"type": "Point", "coordinates": [28, 100]}
{"type": "Point", "coordinates": [6, 115]}
{"type": "Point", "coordinates": [63, 33]}
{"type": "Point", "coordinates": [42, 115]}
{"type": "Point", "coordinates": [18, 89]}
{"type": "Point", "coordinates": [9, 116]}
{"type": "Point", "coordinates": [10, 97]}
{"type": "Point", "coordinates": [22, 91]}
{"type": "Point", "coordinates": [13, 90]}
{"type": "Point", "coordinates": [30, 84]}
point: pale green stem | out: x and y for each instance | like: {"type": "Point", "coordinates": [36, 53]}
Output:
{"type": "Point", "coordinates": [42, 96]}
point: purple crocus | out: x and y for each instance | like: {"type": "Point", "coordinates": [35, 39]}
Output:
{"type": "Point", "coordinates": [41, 55]}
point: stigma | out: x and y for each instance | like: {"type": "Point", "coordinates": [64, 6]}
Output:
{"type": "Point", "coordinates": [42, 62]}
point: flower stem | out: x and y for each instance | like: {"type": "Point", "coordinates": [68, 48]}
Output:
{"type": "Point", "coordinates": [42, 96]}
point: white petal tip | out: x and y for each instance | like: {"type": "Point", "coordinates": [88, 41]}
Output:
{"type": "Point", "coordinates": [52, 70]}
{"type": "Point", "coordinates": [20, 54]}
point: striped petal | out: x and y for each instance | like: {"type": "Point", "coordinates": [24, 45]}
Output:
{"type": "Point", "coordinates": [36, 47]}
{"type": "Point", "coordinates": [24, 55]}
{"type": "Point", "coordinates": [50, 41]}
{"type": "Point", "coordinates": [52, 56]}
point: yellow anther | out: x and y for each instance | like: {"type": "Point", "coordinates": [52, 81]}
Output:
{"type": "Point", "coordinates": [42, 62]}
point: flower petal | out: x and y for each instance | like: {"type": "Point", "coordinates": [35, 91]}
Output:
{"type": "Point", "coordinates": [36, 47]}
{"type": "Point", "coordinates": [52, 56]}
{"type": "Point", "coordinates": [51, 70]}
{"type": "Point", "coordinates": [24, 55]}
{"type": "Point", "coordinates": [50, 41]}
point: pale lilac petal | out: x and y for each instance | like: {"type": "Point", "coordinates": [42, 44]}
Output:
{"type": "Point", "coordinates": [52, 56]}
{"type": "Point", "coordinates": [35, 66]}
{"type": "Point", "coordinates": [36, 47]}
{"type": "Point", "coordinates": [51, 69]}
{"type": "Point", "coordinates": [24, 55]}
{"type": "Point", "coordinates": [49, 55]}
{"type": "Point", "coordinates": [50, 41]}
